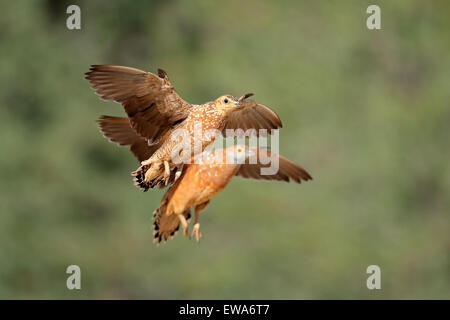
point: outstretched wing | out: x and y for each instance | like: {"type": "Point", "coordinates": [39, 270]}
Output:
{"type": "Point", "coordinates": [252, 115]}
{"type": "Point", "coordinates": [119, 131]}
{"type": "Point", "coordinates": [149, 100]}
{"type": "Point", "coordinates": [286, 169]}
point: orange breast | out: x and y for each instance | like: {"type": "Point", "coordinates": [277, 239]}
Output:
{"type": "Point", "coordinates": [200, 183]}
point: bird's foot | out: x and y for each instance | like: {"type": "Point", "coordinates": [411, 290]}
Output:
{"type": "Point", "coordinates": [166, 179]}
{"type": "Point", "coordinates": [196, 232]}
{"type": "Point", "coordinates": [186, 232]}
{"type": "Point", "coordinates": [185, 226]}
{"type": "Point", "coordinates": [166, 173]}
{"type": "Point", "coordinates": [137, 172]}
{"type": "Point", "coordinates": [143, 168]}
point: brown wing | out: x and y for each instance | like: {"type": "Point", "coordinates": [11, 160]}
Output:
{"type": "Point", "coordinates": [252, 115]}
{"type": "Point", "coordinates": [149, 100]}
{"type": "Point", "coordinates": [287, 169]}
{"type": "Point", "coordinates": [119, 130]}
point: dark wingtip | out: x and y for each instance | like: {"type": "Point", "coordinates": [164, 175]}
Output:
{"type": "Point", "coordinates": [306, 176]}
{"type": "Point", "coordinates": [245, 96]}
{"type": "Point", "coordinates": [92, 68]}
{"type": "Point", "coordinates": [102, 119]}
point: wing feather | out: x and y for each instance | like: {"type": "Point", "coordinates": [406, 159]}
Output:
{"type": "Point", "coordinates": [119, 131]}
{"type": "Point", "coordinates": [287, 169]}
{"type": "Point", "coordinates": [149, 100]}
{"type": "Point", "coordinates": [253, 115]}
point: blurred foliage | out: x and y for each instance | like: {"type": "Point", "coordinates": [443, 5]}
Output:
{"type": "Point", "coordinates": [366, 112]}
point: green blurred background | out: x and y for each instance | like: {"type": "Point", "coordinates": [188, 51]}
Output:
{"type": "Point", "coordinates": [366, 112]}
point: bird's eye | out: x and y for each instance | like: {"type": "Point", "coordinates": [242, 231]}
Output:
{"type": "Point", "coordinates": [239, 150]}
{"type": "Point", "coordinates": [226, 100]}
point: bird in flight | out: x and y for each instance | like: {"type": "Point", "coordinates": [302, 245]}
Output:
{"type": "Point", "coordinates": [205, 178]}
{"type": "Point", "coordinates": [201, 180]}
{"type": "Point", "coordinates": [155, 112]}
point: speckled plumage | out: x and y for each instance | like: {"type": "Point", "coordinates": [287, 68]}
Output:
{"type": "Point", "coordinates": [155, 111]}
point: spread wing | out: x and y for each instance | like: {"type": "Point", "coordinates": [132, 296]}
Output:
{"type": "Point", "coordinates": [252, 115]}
{"type": "Point", "coordinates": [287, 169]}
{"type": "Point", "coordinates": [119, 131]}
{"type": "Point", "coordinates": [149, 100]}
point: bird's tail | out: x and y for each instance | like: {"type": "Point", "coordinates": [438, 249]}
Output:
{"type": "Point", "coordinates": [155, 172]}
{"type": "Point", "coordinates": [139, 178]}
{"type": "Point", "coordinates": [166, 226]}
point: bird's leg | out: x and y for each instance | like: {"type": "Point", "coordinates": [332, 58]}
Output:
{"type": "Point", "coordinates": [177, 174]}
{"type": "Point", "coordinates": [146, 162]}
{"type": "Point", "coordinates": [196, 230]}
{"type": "Point", "coordinates": [141, 167]}
{"type": "Point", "coordinates": [184, 224]}
{"type": "Point", "coordinates": [166, 172]}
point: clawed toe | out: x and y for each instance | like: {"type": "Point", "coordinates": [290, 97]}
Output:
{"type": "Point", "coordinates": [166, 180]}
{"type": "Point", "coordinates": [186, 233]}
{"type": "Point", "coordinates": [196, 232]}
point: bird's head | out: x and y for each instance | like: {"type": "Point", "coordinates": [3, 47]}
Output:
{"type": "Point", "coordinates": [226, 104]}
{"type": "Point", "coordinates": [239, 153]}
